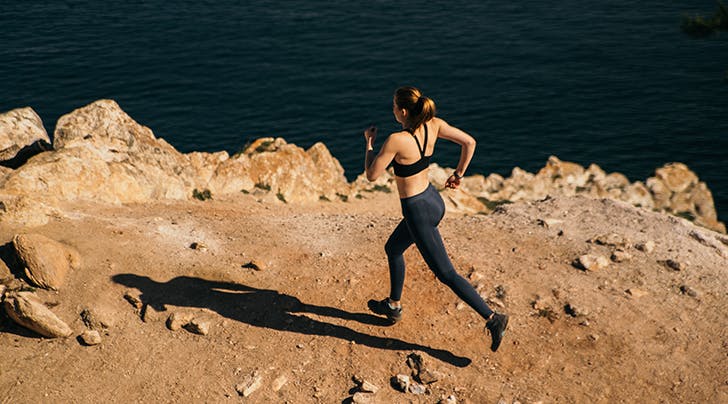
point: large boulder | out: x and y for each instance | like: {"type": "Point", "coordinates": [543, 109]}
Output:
{"type": "Point", "coordinates": [26, 210]}
{"type": "Point", "coordinates": [104, 155]}
{"type": "Point", "coordinates": [292, 173]}
{"type": "Point", "coordinates": [46, 261]}
{"type": "Point", "coordinates": [28, 311]}
{"type": "Point", "coordinates": [21, 135]}
{"type": "Point", "coordinates": [678, 190]}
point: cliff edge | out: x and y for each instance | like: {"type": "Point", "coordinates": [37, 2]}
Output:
{"type": "Point", "coordinates": [132, 272]}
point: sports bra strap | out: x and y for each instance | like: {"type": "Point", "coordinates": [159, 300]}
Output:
{"type": "Point", "coordinates": [423, 149]}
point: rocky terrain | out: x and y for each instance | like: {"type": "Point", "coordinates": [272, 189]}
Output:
{"type": "Point", "coordinates": [133, 272]}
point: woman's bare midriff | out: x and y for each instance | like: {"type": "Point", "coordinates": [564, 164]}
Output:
{"type": "Point", "coordinates": [411, 186]}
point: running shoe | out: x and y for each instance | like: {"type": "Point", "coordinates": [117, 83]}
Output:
{"type": "Point", "coordinates": [497, 327]}
{"type": "Point", "coordinates": [394, 314]}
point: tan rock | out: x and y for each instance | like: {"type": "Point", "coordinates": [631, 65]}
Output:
{"type": "Point", "coordinates": [621, 256]}
{"type": "Point", "coordinates": [563, 172]}
{"type": "Point", "coordinates": [660, 193]}
{"type": "Point", "coordinates": [592, 262]}
{"type": "Point", "coordinates": [21, 128]}
{"type": "Point", "coordinates": [26, 211]}
{"type": "Point", "coordinates": [279, 382]}
{"type": "Point", "coordinates": [638, 194]}
{"type": "Point", "coordinates": [290, 173]}
{"type": "Point", "coordinates": [677, 177]}
{"type": "Point", "coordinates": [46, 261]}
{"type": "Point", "coordinates": [611, 239]}
{"type": "Point", "coordinates": [457, 200]}
{"type": "Point", "coordinates": [647, 246]}
{"type": "Point", "coordinates": [637, 293]}
{"type": "Point", "coordinates": [199, 326]}
{"type": "Point", "coordinates": [250, 385]}
{"type": "Point", "coordinates": [97, 319]}
{"type": "Point", "coordinates": [28, 311]}
{"type": "Point", "coordinates": [5, 274]}
{"type": "Point", "coordinates": [177, 320]}
{"type": "Point", "coordinates": [91, 337]}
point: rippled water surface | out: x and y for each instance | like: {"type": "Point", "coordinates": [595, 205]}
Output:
{"type": "Point", "coordinates": [614, 83]}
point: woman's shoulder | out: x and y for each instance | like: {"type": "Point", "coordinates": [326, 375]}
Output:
{"type": "Point", "coordinates": [398, 136]}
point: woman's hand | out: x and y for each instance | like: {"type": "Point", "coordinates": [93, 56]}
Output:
{"type": "Point", "coordinates": [370, 134]}
{"type": "Point", "coordinates": [452, 182]}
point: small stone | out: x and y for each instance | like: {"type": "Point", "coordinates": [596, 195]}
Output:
{"type": "Point", "coordinates": [621, 256]}
{"type": "Point", "coordinates": [416, 388]}
{"type": "Point", "coordinates": [199, 246]}
{"type": "Point", "coordinates": [279, 382]}
{"type": "Point", "coordinates": [549, 222]}
{"type": "Point", "coordinates": [96, 319]}
{"type": "Point", "coordinates": [367, 387]}
{"type": "Point", "coordinates": [611, 239]}
{"type": "Point", "coordinates": [575, 310]}
{"type": "Point", "coordinates": [637, 293]}
{"type": "Point", "coordinates": [362, 398]}
{"type": "Point", "coordinates": [91, 337]}
{"type": "Point", "coordinates": [402, 382]}
{"type": "Point", "coordinates": [133, 299]}
{"type": "Point", "coordinates": [256, 265]}
{"type": "Point", "coordinates": [451, 399]}
{"type": "Point", "coordinates": [414, 361]}
{"type": "Point", "coordinates": [250, 385]}
{"type": "Point", "coordinates": [647, 246]}
{"type": "Point", "coordinates": [674, 265]}
{"type": "Point", "coordinates": [198, 326]}
{"type": "Point", "coordinates": [494, 301]}
{"type": "Point", "coordinates": [428, 376]}
{"type": "Point", "coordinates": [591, 262]}
{"type": "Point", "coordinates": [594, 337]}
{"type": "Point", "coordinates": [175, 321]}
{"type": "Point", "coordinates": [687, 290]}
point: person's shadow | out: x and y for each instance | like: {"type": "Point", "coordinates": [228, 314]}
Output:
{"type": "Point", "coordinates": [269, 309]}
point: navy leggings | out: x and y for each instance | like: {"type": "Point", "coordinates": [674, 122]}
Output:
{"type": "Point", "coordinates": [422, 213]}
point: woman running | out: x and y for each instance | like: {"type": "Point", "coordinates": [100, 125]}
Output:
{"type": "Point", "coordinates": [409, 152]}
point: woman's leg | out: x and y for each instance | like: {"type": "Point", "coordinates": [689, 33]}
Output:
{"type": "Point", "coordinates": [398, 242]}
{"type": "Point", "coordinates": [422, 223]}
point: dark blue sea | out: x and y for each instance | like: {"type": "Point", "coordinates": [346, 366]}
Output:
{"type": "Point", "coordinates": [616, 83]}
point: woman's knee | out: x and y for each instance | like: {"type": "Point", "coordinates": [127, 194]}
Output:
{"type": "Point", "coordinates": [446, 275]}
{"type": "Point", "coordinates": [390, 247]}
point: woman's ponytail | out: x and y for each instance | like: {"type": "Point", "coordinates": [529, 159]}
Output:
{"type": "Point", "coordinates": [420, 108]}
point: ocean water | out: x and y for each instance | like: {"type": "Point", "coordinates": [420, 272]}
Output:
{"type": "Point", "coordinates": [614, 83]}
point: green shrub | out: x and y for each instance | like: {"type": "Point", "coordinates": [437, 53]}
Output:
{"type": "Point", "coordinates": [699, 26]}
{"type": "Point", "coordinates": [493, 204]}
{"type": "Point", "coordinates": [263, 186]}
{"type": "Point", "coordinates": [202, 195]}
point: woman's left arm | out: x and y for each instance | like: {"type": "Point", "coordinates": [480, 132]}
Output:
{"type": "Point", "coordinates": [374, 166]}
{"type": "Point", "coordinates": [467, 150]}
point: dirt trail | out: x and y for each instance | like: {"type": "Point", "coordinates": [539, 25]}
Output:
{"type": "Point", "coordinates": [301, 322]}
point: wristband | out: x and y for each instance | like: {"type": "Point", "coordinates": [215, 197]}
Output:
{"type": "Point", "coordinates": [455, 174]}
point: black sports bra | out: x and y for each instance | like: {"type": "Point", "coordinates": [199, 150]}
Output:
{"type": "Point", "coordinates": [408, 170]}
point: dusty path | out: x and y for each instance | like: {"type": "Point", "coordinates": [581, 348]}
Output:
{"type": "Point", "coordinates": [302, 326]}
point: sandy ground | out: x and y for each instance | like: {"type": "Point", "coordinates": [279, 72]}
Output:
{"type": "Point", "coordinates": [301, 323]}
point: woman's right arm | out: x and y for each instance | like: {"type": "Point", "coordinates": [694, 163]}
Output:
{"type": "Point", "coordinates": [467, 149]}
